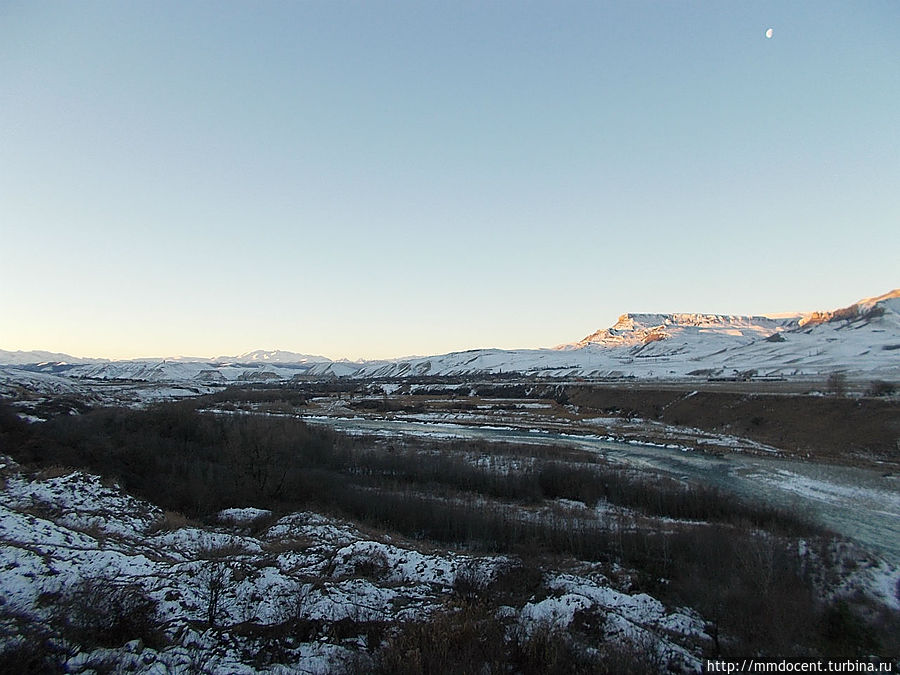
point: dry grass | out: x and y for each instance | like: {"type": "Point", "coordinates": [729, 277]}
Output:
{"type": "Point", "coordinates": [54, 471]}
{"type": "Point", "coordinates": [292, 545]}
{"type": "Point", "coordinates": [170, 521]}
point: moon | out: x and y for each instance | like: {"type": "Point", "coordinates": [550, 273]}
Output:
{"type": "Point", "coordinates": [770, 33]}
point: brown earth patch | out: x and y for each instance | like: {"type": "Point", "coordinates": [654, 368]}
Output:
{"type": "Point", "coordinates": [823, 427]}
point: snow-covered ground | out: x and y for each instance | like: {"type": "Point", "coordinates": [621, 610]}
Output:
{"type": "Point", "coordinates": [38, 385]}
{"type": "Point", "coordinates": [62, 530]}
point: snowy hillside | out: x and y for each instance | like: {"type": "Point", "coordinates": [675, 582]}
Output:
{"type": "Point", "coordinates": [863, 340]}
{"type": "Point", "coordinates": [634, 330]}
{"type": "Point", "coordinates": [273, 356]}
{"type": "Point", "coordinates": [219, 371]}
{"type": "Point", "coordinates": [19, 358]}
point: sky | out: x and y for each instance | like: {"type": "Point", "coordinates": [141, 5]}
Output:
{"type": "Point", "coordinates": [380, 179]}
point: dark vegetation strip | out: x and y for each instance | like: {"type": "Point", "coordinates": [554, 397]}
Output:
{"type": "Point", "coordinates": [199, 463]}
{"type": "Point", "coordinates": [590, 483]}
{"type": "Point", "coordinates": [835, 427]}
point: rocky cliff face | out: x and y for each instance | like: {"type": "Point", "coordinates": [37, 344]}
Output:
{"type": "Point", "coordinates": [868, 308]}
{"type": "Point", "coordinates": [638, 329]}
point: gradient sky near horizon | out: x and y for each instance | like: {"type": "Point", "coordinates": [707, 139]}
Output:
{"type": "Point", "coordinates": [377, 179]}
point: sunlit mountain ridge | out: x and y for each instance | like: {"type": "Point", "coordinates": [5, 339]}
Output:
{"type": "Point", "coordinates": [863, 338]}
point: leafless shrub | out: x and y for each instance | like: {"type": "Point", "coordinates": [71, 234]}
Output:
{"type": "Point", "coordinates": [469, 585]}
{"type": "Point", "coordinates": [287, 545]}
{"type": "Point", "coordinates": [221, 552]}
{"type": "Point", "coordinates": [374, 566]}
{"type": "Point", "coordinates": [27, 645]}
{"type": "Point", "coordinates": [170, 521]}
{"type": "Point", "coordinates": [517, 583]}
{"type": "Point", "coordinates": [102, 611]}
{"type": "Point", "coordinates": [469, 640]}
{"type": "Point", "coordinates": [881, 388]}
{"type": "Point", "coordinates": [548, 650]}
{"type": "Point", "coordinates": [54, 471]}
{"type": "Point", "coordinates": [214, 579]}
{"type": "Point", "coordinates": [111, 481]}
{"type": "Point", "coordinates": [837, 383]}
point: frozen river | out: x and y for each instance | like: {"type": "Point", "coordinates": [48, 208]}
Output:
{"type": "Point", "coordinates": [861, 504]}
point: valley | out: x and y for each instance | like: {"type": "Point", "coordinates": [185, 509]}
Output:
{"type": "Point", "coordinates": [283, 513]}
{"type": "Point", "coordinates": [346, 520]}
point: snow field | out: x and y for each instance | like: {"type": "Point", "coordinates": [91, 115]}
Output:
{"type": "Point", "coordinates": [57, 531]}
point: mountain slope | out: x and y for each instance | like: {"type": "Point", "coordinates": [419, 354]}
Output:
{"type": "Point", "coordinates": [18, 358]}
{"type": "Point", "coordinates": [633, 330]}
{"type": "Point", "coordinates": [274, 356]}
{"type": "Point", "coordinates": [862, 339]}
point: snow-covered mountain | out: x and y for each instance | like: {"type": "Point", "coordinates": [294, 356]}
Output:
{"type": "Point", "coordinates": [256, 366]}
{"type": "Point", "coordinates": [19, 358]}
{"type": "Point", "coordinates": [637, 330]}
{"type": "Point", "coordinates": [862, 339]}
{"type": "Point", "coordinates": [273, 356]}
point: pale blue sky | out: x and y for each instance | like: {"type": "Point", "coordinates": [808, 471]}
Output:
{"type": "Point", "coordinates": [374, 179]}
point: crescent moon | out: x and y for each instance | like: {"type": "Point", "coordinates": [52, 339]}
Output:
{"type": "Point", "coordinates": [770, 33]}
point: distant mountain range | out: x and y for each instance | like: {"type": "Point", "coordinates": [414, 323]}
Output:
{"type": "Point", "coordinates": [862, 339]}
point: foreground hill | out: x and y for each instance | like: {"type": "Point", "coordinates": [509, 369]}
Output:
{"type": "Point", "coordinates": [124, 588]}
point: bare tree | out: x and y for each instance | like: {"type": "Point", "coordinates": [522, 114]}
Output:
{"type": "Point", "coordinates": [837, 383]}
{"type": "Point", "coordinates": [214, 577]}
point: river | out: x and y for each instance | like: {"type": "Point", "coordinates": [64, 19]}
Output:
{"type": "Point", "coordinates": [861, 504]}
